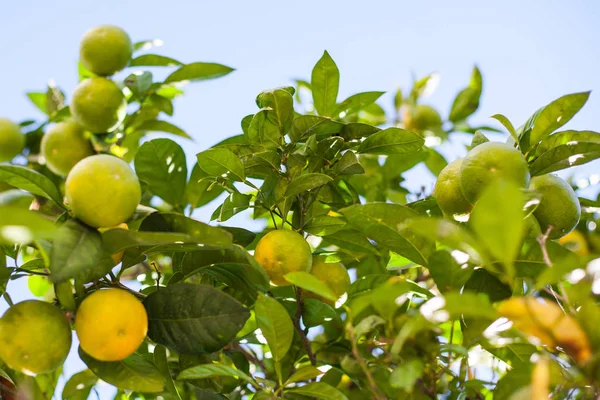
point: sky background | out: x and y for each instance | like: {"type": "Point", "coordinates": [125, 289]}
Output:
{"type": "Point", "coordinates": [530, 52]}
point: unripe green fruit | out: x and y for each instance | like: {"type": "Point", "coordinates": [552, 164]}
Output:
{"type": "Point", "coordinates": [448, 193]}
{"type": "Point", "coordinates": [105, 49]}
{"type": "Point", "coordinates": [12, 140]}
{"type": "Point", "coordinates": [559, 206]}
{"type": "Point", "coordinates": [64, 145]}
{"type": "Point", "coordinates": [99, 105]}
{"type": "Point", "coordinates": [420, 118]}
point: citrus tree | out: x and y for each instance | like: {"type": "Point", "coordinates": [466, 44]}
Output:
{"type": "Point", "coordinates": [482, 286]}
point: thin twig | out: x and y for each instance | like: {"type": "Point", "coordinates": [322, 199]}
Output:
{"type": "Point", "coordinates": [299, 309]}
{"type": "Point", "coordinates": [363, 364]}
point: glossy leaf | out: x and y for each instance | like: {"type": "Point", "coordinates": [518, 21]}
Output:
{"type": "Point", "coordinates": [306, 182]}
{"type": "Point", "coordinates": [162, 363]}
{"type": "Point", "coordinates": [160, 163]}
{"type": "Point", "coordinates": [31, 181]}
{"type": "Point", "coordinates": [565, 149]}
{"type": "Point", "coordinates": [193, 319]}
{"type": "Point", "coordinates": [214, 370]}
{"type": "Point", "coordinates": [325, 82]}
{"type": "Point", "coordinates": [357, 102]}
{"type": "Point", "coordinates": [311, 283]}
{"type": "Point", "coordinates": [198, 71]}
{"type": "Point", "coordinates": [304, 374]}
{"type": "Point", "coordinates": [348, 165]}
{"type": "Point", "coordinates": [318, 390]}
{"type": "Point", "coordinates": [162, 126]}
{"type": "Point", "coordinates": [263, 131]}
{"type": "Point", "coordinates": [507, 124]}
{"type": "Point", "coordinates": [153, 60]}
{"type": "Point", "coordinates": [392, 141]}
{"type": "Point", "coordinates": [304, 126]}
{"type": "Point", "coordinates": [323, 225]}
{"type": "Point", "coordinates": [18, 225]}
{"type": "Point", "coordinates": [218, 161]}
{"type": "Point", "coordinates": [446, 272]}
{"type": "Point", "coordinates": [79, 386]}
{"type": "Point", "coordinates": [275, 324]}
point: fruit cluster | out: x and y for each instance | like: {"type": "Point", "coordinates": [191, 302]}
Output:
{"type": "Point", "coordinates": [460, 184]}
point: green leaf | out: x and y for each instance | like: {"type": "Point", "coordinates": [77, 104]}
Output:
{"type": "Point", "coordinates": [198, 71]}
{"type": "Point", "coordinates": [18, 225]}
{"type": "Point", "coordinates": [357, 130]}
{"type": "Point", "coordinates": [161, 362]}
{"type": "Point", "coordinates": [234, 203]}
{"type": "Point", "coordinates": [311, 283]}
{"type": "Point", "coordinates": [39, 100]}
{"type": "Point", "coordinates": [31, 181]}
{"type": "Point", "coordinates": [213, 370]}
{"type": "Point", "coordinates": [348, 165]}
{"type": "Point", "coordinates": [446, 272]}
{"type": "Point", "coordinates": [200, 189]}
{"type": "Point", "coordinates": [498, 221]}
{"type": "Point", "coordinates": [78, 252]}
{"type": "Point", "coordinates": [478, 138]}
{"type": "Point", "coordinates": [281, 106]}
{"type": "Point", "coordinates": [383, 222]}
{"type": "Point", "coordinates": [392, 141]}
{"type": "Point", "coordinates": [133, 373]}
{"type": "Point", "coordinates": [275, 324]}
{"type": "Point", "coordinates": [147, 44]}
{"type": "Point", "coordinates": [241, 236]}
{"type": "Point", "coordinates": [305, 126]}
{"type": "Point", "coordinates": [469, 304]}
{"type": "Point", "coordinates": [318, 390]}
{"type": "Point", "coordinates": [163, 104]}
{"type": "Point", "coordinates": [161, 164]}
{"type": "Point", "coordinates": [481, 281]}
{"type": "Point", "coordinates": [357, 102]}
{"type": "Point", "coordinates": [449, 234]}
{"type": "Point", "coordinates": [406, 374]}
{"type": "Point", "coordinates": [16, 198]}
{"type": "Point", "coordinates": [367, 325]}
{"type": "Point", "coordinates": [263, 131]}
{"type": "Point", "coordinates": [507, 124]}
{"type": "Point", "coordinates": [315, 313]}
{"type": "Point", "coordinates": [304, 374]}
{"type": "Point", "coordinates": [353, 240]}
{"type": "Point", "coordinates": [39, 286]}
{"type": "Point", "coordinates": [306, 182]}
{"type": "Point", "coordinates": [154, 60]}
{"type": "Point", "coordinates": [117, 240]}
{"type": "Point", "coordinates": [79, 386]}
{"type": "Point", "coordinates": [556, 114]}
{"type": "Point", "coordinates": [565, 149]}
{"type": "Point", "coordinates": [435, 162]}
{"type": "Point", "coordinates": [323, 225]}
{"type": "Point", "coordinates": [325, 82]}
{"type": "Point", "coordinates": [193, 319]}
{"type": "Point", "coordinates": [139, 83]}
{"type": "Point", "coordinates": [162, 126]}
{"type": "Point", "coordinates": [218, 161]}
{"type": "Point", "coordinates": [198, 231]}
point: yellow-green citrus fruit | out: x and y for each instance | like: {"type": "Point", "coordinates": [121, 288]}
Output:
{"type": "Point", "coordinates": [12, 140]}
{"type": "Point", "coordinates": [333, 274]}
{"type": "Point", "coordinates": [64, 145]}
{"type": "Point", "coordinates": [280, 252]}
{"type": "Point", "coordinates": [102, 191]}
{"type": "Point", "coordinates": [111, 324]}
{"type": "Point", "coordinates": [35, 337]}
{"type": "Point", "coordinates": [447, 191]}
{"type": "Point", "coordinates": [420, 118]}
{"type": "Point", "coordinates": [490, 161]}
{"type": "Point", "coordinates": [105, 49]}
{"type": "Point", "coordinates": [99, 105]}
{"type": "Point", "coordinates": [576, 242]}
{"type": "Point", "coordinates": [559, 206]}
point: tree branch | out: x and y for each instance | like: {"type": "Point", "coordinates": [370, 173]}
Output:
{"type": "Point", "coordinates": [305, 341]}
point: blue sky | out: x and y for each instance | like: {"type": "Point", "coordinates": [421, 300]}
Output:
{"type": "Point", "coordinates": [530, 52]}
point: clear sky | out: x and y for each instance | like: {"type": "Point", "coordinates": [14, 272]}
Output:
{"type": "Point", "coordinates": [530, 52]}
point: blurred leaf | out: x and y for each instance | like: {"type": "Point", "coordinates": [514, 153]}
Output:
{"type": "Point", "coordinates": [323, 225]}
{"type": "Point", "coordinates": [117, 240]}
{"type": "Point", "coordinates": [467, 100]}
{"type": "Point", "coordinates": [193, 319]}
{"type": "Point", "coordinates": [435, 162]}
{"type": "Point", "coordinates": [383, 222]}
{"type": "Point", "coordinates": [39, 286]}
{"type": "Point", "coordinates": [147, 44]}
{"type": "Point", "coordinates": [161, 164]}
{"type": "Point", "coordinates": [133, 373]}
{"type": "Point", "coordinates": [481, 281]}
{"type": "Point", "coordinates": [18, 225]}
{"type": "Point", "coordinates": [311, 283]}
{"type": "Point", "coordinates": [78, 252]}
{"type": "Point", "coordinates": [218, 161]}
{"type": "Point", "coordinates": [469, 304]}
{"type": "Point", "coordinates": [392, 141]}
{"type": "Point", "coordinates": [367, 325]}
{"type": "Point", "coordinates": [198, 71]}
{"type": "Point", "coordinates": [139, 84]}
{"type": "Point", "coordinates": [79, 386]}
{"type": "Point", "coordinates": [153, 60]}
{"type": "Point", "coordinates": [304, 374]}
{"type": "Point", "coordinates": [406, 374]}
{"type": "Point", "coordinates": [39, 100]}
{"type": "Point", "coordinates": [306, 182]}
{"type": "Point", "coordinates": [325, 82]}
{"type": "Point", "coordinates": [162, 363]}
{"type": "Point", "coordinates": [162, 126]}
{"type": "Point", "coordinates": [275, 324]}
{"type": "Point", "coordinates": [315, 313]}
{"type": "Point", "coordinates": [565, 149]}
{"type": "Point", "coordinates": [498, 220]}
{"type": "Point", "coordinates": [447, 274]}
{"type": "Point", "coordinates": [357, 102]}
{"type": "Point", "coordinates": [163, 104]}
{"type": "Point", "coordinates": [31, 181]}
{"type": "Point", "coordinates": [318, 390]}
{"type": "Point", "coordinates": [478, 138]}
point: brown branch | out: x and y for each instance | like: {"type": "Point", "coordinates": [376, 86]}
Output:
{"type": "Point", "coordinates": [305, 341]}
{"type": "Point", "coordinates": [363, 365]}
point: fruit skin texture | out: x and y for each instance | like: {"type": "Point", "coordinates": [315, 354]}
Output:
{"type": "Point", "coordinates": [102, 191]}
{"type": "Point", "coordinates": [24, 332]}
{"type": "Point", "coordinates": [64, 145]}
{"type": "Point", "coordinates": [105, 49]}
{"type": "Point", "coordinates": [547, 322]}
{"type": "Point", "coordinates": [12, 140]}
{"type": "Point", "coordinates": [280, 252]}
{"type": "Point", "coordinates": [334, 275]}
{"type": "Point", "coordinates": [111, 324]}
{"type": "Point", "coordinates": [559, 206]}
{"type": "Point", "coordinates": [490, 161]}
{"type": "Point", "coordinates": [99, 105]}
{"type": "Point", "coordinates": [421, 117]}
{"type": "Point", "coordinates": [448, 193]}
